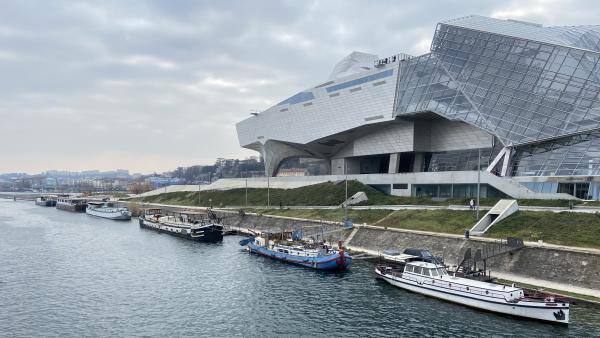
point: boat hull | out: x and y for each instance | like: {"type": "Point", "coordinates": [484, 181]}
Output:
{"type": "Point", "coordinates": [329, 262]}
{"type": "Point", "coordinates": [71, 207]}
{"type": "Point", "coordinates": [116, 215]}
{"type": "Point", "coordinates": [210, 234]}
{"type": "Point", "coordinates": [46, 203]}
{"type": "Point", "coordinates": [555, 312]}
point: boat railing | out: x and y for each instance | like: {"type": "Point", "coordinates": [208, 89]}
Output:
{"type": "Point", "coordinates": [455, 286]}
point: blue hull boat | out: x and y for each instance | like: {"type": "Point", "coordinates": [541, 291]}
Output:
{"type": "Point", "coordinates": [310, 258]}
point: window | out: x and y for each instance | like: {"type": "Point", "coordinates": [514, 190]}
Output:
{"type": "Point", "coordinates": [434, 272]}
{"type": "Point", "coordinates": [408, 268]}
{"type": "Point", "coordinates": [425, 272]}
{"type": "Point", "coordinates": [360, 81]}
{"type": "Point", "coordinates": [400, 186]}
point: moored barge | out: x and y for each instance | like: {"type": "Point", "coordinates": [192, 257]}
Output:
{"type": "Point", "coordinates": [71, 204]}
{"type": "Point", "coordinates": [315, 256]}
{"type": "Point", "coordinates": [45, 201]}
{"type": "Point", "coordinates": [433, 280]}
{"type": "Point", "coordinates": [108, 210]}
{"type": "Point", "coordinates": [190, 225]}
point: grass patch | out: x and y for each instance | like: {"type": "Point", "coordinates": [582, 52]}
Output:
{"type": "Point", "coordinates": [445, 221]}
{"type": "Point", "coordinates": [357, 216]}
{"type": "Point", "coordinates": [323, 194]}
{"type": "Point", "coordinates": [564, 228]}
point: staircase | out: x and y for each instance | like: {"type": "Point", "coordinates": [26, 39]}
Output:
{"type": "Point", "coordinates": [501, 210]}
{"type": "Point", "coordinates": [472, 256]}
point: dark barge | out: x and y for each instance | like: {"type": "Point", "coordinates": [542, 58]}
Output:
{"type": "Point", "coordinates": [190, 225]}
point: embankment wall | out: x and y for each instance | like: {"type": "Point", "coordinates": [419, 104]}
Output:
{"type": "Point", "coordinates": [574, 267]}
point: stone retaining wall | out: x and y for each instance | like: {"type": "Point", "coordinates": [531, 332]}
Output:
{"type": "Point", "coordinates": [550, 264]}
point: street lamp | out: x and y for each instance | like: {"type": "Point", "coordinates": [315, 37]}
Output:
{"type": "Point", "coordinates": [346, 200]}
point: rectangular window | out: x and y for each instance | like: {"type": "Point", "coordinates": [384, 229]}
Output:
{"type": "Point", "coordinates": [378, 83]}
{"type": "Point", "coordinates": [334, 94]}
{"type": "Point", "coordinates": [360, 81]}
{"type": "Point", "coordinates": [355, 89]}
{"type": "Point", "coordinates": [400, 186]}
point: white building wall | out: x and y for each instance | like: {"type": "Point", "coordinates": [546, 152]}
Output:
{"type": "Point", "coordinates": [394, 138]}
{"type": "Point", "coordinates": [327, 114]}
{"type": "Point", "coordinates": [451, 135]}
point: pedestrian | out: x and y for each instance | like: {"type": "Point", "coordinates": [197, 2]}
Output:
{"type": "Point", "coordinates": [471, 204]}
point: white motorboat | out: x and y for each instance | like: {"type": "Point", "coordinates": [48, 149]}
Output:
{"type": "Point", "coordinates": [108, 210]}
{"type": "Point", "coordinates": [433, 280]}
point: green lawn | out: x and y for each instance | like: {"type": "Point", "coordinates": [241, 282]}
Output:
{"type": "Point", "coordinates": [445, 221]}
{"type": "Point", "coordinates": [564, 228]}
{"type": "Point", "coordinates": [330, 193]}
{"type": "Point", "coordinates": [357, 216]}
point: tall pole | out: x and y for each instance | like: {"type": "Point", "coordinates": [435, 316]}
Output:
{"type": "Point", "coordinates": [478, 179]}
{"type": "Point", "coordinates": [199, 193]}
{"type": "Point", "coordinates": [246, 189]}
{"type": "Point", "coordinates": [268, 191]}
{"type": "Point", "coordinates": [346, 200]}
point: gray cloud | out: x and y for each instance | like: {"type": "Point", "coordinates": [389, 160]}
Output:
{"type": "Point", "coordinates": [150, 85]}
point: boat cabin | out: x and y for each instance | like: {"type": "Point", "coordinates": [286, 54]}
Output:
{"type": "Point", "coordinates": [425, 269]}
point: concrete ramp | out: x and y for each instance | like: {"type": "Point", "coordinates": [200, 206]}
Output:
{"type": "Point", "coordinates": [501, 210]}
{"type": "Point", "coordinates": [355, 199]}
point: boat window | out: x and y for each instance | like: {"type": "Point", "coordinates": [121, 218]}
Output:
{"type": "Point", "coordinates": [285, 251]}
{"type": "Point", "coordinates": [408, 268]}
{"type": "Point", "coordinates": [442, 271]}
{"type": "Point", "coordinates": [425, 272]}
{"type": "Point", "coordinates": [418, 270]}
{"type": "Point", "coordinates": [434, 272]}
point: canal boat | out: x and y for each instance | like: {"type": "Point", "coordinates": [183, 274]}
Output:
{"type": "Point", "coordinates": [315, 256]}
{"type": "Point", "coordinates": [71, 204]}
{"type": "Point", "coordinates": [191, 225]}
{"type": "Point", "coordinates": [108, 210]}
{"type": "Point", "coordinates": [432, 279]}
{"type": "Point", "coordinates": [45, 201]}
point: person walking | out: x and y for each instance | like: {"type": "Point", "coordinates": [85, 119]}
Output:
{"type": "Point", "coordinates": [471, 204]}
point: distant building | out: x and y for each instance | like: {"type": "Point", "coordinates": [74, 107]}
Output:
{"type": "Point", "coordinates": [293, 172]}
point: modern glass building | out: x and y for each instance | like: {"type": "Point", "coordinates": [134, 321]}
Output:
{"type": "Point", "coordinates": [516, 99]}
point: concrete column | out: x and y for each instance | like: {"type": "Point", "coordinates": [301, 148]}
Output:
{"type": "Point", "coordinates": [418, 162]}
{"type": "Point", "coordinates": [394, 163]}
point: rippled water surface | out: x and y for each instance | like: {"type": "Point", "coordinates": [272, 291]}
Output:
{"type": "Point", "coordinates": [72, 275]}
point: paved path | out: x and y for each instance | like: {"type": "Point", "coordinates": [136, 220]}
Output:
{"type": "Point", "coordinates": [546, 284]}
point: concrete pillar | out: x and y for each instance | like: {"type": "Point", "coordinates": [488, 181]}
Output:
{"type": "Point", "coordinates": [394, 163]}
{"type": "Point", "coordinates": [418, 162]}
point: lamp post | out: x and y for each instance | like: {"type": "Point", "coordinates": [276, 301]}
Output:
{"type": "Point", "coordinates": [246, 175]}
{"type": "Point", "coordinates": [478, 180]}
{"type": "Point", "coordinates": [346, 199]}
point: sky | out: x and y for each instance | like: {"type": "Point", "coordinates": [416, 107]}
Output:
{"type": "Point", "coordinates": [152, 85]}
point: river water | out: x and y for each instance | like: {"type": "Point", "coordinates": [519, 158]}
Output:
{"type": "Point", "coordinates": [73, 275]}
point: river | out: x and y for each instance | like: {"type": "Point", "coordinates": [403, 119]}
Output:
{"type": "Point", "coordinates": [73, 275]}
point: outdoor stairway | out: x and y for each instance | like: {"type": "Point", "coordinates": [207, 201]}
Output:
{"type": "Point", "coordinates": [487, 251]}
{"type": "Point", "coordinates": [501, 210]}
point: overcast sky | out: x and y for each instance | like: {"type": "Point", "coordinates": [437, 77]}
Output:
{"type": "Point", "coordinates": [152, 85]}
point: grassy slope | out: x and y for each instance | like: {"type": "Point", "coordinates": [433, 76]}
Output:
{"type": "Point", "coordinates": [357, 216]}
{"type": "Point", "coordinates": [565, 228]}
{"type": "Point", "coordinates": [319, 194]}
{"type": "Point", "coordinates": [446, 221]}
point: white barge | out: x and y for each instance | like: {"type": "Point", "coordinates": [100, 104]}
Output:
{"type": "Point", "coordinates": [433, 280]}
{"type": "Point", "coordinates": [108, 210]}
